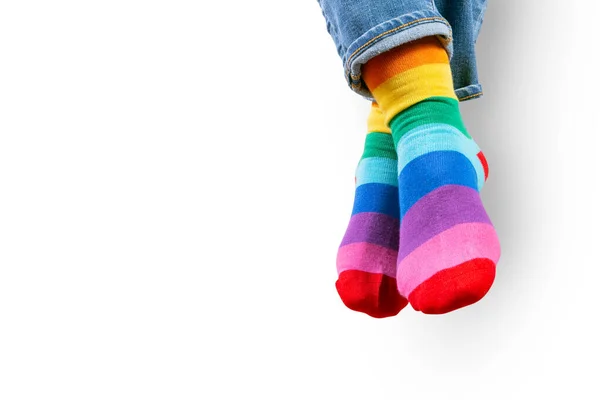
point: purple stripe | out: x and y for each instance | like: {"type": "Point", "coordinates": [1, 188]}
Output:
{"type": "Point", "coordinates": [376, 228]}
{"type": "Point", "coordinates": [438, 211]}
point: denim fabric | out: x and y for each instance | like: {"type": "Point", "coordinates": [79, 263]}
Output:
{"type": "Point", "coordinates": [362, 29]}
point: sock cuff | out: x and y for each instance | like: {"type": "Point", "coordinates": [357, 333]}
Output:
{"type": "Point", "coordinates": [409, 74]}
{"type": "Point", "coordinates": [400, 59]}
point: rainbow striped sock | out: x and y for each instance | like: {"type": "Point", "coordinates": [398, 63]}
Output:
{"type": "Point", "coordinates": [449, 249]}
{"type": "Point", "coordinates": [366, 260]}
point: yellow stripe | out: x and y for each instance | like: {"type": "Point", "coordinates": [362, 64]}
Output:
{"type": "Point", "coordinates": [410, 87]}
{"type": "Point", "coordinates": [376, 120]}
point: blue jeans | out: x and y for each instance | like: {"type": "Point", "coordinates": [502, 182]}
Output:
{"type": "Point", "coordinates": [362, 29]}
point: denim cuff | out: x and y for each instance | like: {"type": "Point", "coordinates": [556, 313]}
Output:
{"type": "Point", "coordinates": [390, 34]}
{"type": "Point", "coordinates": [469, 92]}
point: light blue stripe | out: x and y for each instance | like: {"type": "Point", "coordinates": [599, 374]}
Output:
{"type": "Point", "coordinates": [438, 137]}
{"type": "Point", "coordinates": [377, 170]}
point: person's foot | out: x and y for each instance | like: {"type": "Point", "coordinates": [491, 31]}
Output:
{"type": "Point", "coordinates": [449, 249]}
{"type": "Point", "coordinates": [366, 260]}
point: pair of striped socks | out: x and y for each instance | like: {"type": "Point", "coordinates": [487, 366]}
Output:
{"type": "Point", "coordinates": [418, 233]}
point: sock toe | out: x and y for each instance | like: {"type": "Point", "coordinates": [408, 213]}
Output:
{"type": "Point", "coordinates": [370, 293]}
{"type": "Point", "coordinates": [455, 287]}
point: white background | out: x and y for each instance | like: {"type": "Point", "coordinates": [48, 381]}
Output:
{"type": "Point", "coordinates": [176, 176]}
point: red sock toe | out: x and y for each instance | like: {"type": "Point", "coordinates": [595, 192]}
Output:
{"type": "Point", "coordinates": [373, 294]}
{"type": "Point", "coordinates": [455, 287]}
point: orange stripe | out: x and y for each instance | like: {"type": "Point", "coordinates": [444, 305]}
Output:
{"type": "Point", "coordinates": [402, 58]}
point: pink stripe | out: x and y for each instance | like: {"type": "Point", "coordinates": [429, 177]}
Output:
{"type": "Point", "coordinates": [450, 248]}
{"type": "Point", "coordinates": [367, 257]}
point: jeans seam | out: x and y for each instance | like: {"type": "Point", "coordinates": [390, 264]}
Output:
{"type": "Point", "coordinates": [471, 96]}
{"type": "Point", "coordinates": [387, 32]}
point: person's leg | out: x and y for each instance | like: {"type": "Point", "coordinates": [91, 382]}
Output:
{"type": "Point", "coordinates": [449, 249]}
{"type": "Point", "coordinates": [366, 260]}
{"type": "Point", "coordinates": [364, 29]}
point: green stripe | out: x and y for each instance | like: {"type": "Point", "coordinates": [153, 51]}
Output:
{"type": "Point", "coordinates": [434, 110]}
{"type": "Point", "coordinates": [379, 145]}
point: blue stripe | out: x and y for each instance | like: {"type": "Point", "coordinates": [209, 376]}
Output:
{"type": "Point", "coordinates": [431, 171]}
{"type": "Point", "coordinates": [377, 170]}
{"type": "Point", "coordinates": [376, 197]}
{"type": "Point", "coordinates": [438, 137]}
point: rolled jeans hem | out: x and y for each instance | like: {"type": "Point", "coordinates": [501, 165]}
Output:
{"type": "Point", "coordinates": [469, 92]}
